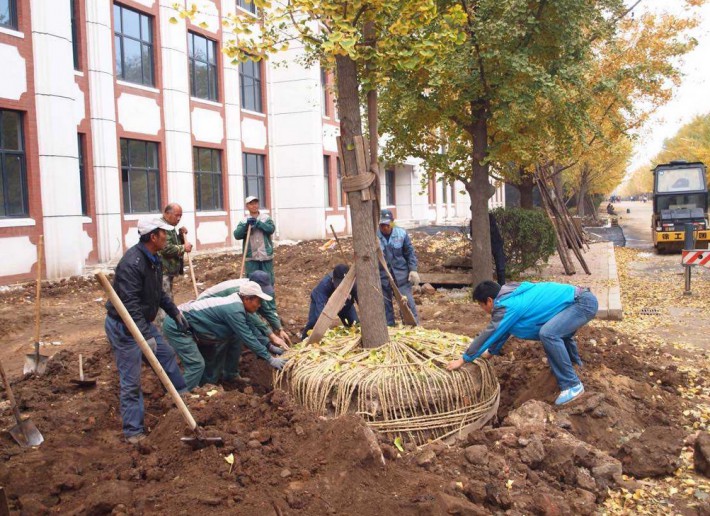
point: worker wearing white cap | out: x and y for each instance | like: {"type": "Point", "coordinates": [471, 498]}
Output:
{"type": "Point", "coordinates": [220, 326]}
{"type": "Point", "coordinates": [139, 285]}
{"type": "Point", "coordinates": [259, 249]}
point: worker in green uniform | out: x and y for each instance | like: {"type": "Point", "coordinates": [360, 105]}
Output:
{"type": "Point", "coordinates": [220, 327]}
{"type": "Point", "coordinates": [259, 250]}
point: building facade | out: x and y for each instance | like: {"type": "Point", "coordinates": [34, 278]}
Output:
{"type": "Point", "coordinates": [110, 109]}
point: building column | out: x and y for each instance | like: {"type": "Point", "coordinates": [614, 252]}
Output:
{"type": "Point", "coordinates": [102, 113]}
{"type": "Point", "coordinates": [176, 114]}
{"type": "Point", "coordinates": [296, 146]}
{"type": "Point", "coordinates": [232, 113]}
{"type": "Point", "coordinates": [56, 137]}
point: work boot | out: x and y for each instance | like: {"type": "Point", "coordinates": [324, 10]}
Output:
{"type": "Point", "coordinates": [135, 439]}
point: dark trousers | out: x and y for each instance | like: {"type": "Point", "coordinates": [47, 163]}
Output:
{"type": "Point", "coordinates": [347, 314]}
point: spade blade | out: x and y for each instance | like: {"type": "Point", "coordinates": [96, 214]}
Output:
{"type": "Point", "coordinates": [26, 434]}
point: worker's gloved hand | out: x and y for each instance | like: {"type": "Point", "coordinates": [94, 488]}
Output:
{"type": "Point", "coordinates": [414, 278]}
{"type": "Point", "coordinates": [182, 323]}
{"type": "Point", "coordinates": [277, 363]}
{"type": "Point", "coordinates": [152, 344]}
{"type": "Point", "coordinates": [251, 221]}
{"type": "Point", "coordinates": [275, 350]}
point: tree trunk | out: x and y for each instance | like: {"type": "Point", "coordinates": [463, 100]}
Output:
{"type": "Point", "coordinates": [582, 193]}
{"type": "Point", "coordinates": [526, 187]}
{"type": "Point", "coordinates": [370, 303]}
{"type": "Point", "coordinates": [478, 190]}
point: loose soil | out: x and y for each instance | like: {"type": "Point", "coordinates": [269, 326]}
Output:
{"type": "Point", "coordinates": [533, 459]}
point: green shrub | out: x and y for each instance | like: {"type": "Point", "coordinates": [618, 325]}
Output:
{"type": "Point", "coordinates": [528, 238]}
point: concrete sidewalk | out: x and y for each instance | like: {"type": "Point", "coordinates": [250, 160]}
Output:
{"type": "Point", "coordinates": [603, 280]}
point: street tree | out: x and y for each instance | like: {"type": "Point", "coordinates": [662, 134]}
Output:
{"type": "Point", "coordinates": [364, 41]}
{"type": "Point", "coordinates": [535, 84]}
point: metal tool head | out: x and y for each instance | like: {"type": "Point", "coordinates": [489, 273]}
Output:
{"type": "Point", "coordinates": [85, 383]}
{"type": "Point", "coordinates": [26, 434]}
{"type": "Point", "coordinates": [35, 364]}
{"type": "Point", "coordinates": [198, 442]}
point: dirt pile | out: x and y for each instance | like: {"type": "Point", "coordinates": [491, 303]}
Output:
{"type": "Point", "coordinates": [536, 459]}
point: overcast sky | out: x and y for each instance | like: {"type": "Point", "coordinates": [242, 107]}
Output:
{"type": "Point", "coordinates": [691, 98]}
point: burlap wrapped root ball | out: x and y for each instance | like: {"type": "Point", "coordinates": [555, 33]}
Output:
{"type": "Point", "coordinates": [401, 389]}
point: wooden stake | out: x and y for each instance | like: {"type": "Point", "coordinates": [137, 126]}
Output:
{"type": "Point", "coordinates": [244, 250]}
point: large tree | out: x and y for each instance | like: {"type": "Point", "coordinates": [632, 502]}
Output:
{"type": "Point", "coordinates": [364, 41]}
{"type": "Point", "coordinates": [535, 84]}
{"type": "Point", "coordinates": [521, 59]}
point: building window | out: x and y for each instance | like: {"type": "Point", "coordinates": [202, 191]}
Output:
{"type": "Point", "coordinates": [74, 33]}
{"type": "Point", "coordinates": [254, 177]}
{"type": "Point", "coordinates": [13, 176]}
{"type": "Point", "coordinates": [202, 54]}
{"type": "Point", "coordinates": [389, 186]}
{"type": "Point", "coordinates": [250, 82]}
{"type": "Point", "coordinates": [324, 88]}
{"type": "Point", "coordinates": [8, 14]}
{"type": "Point", "coordinates": [339, 182]}
{"type": "Point", "coordinates": [81, 141]}
{"type": "Point", "coordinates": [247, 5]}
{"type": "Point", "coordinates": [133, 38]}
{"type": "Point", "coordinates": [140, 176]}
{"type": "Point", "coordinates": [207, 164]}
{"type": "Point", "coordinates": [326, 181]}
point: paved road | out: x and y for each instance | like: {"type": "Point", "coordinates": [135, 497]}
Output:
{"type": "Point", "coordinates": [636, 224]}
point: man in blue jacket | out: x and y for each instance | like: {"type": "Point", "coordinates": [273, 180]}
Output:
{"type": "Point", "coordinates": [549, 312]}
{"type": "Point", "coordinates": [321, 294]}
{"type": "Point", "coordinates": [401, 261]}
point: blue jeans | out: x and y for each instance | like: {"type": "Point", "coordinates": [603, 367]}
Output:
{"type": "Point", "coordinates": [557, 336]}
{"type": "Point", "coordinates": [128, 363]}
{"type": "Point", "coordinates": [405, 290]}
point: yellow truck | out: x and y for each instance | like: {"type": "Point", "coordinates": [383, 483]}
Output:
{"type": "Point", "coordinates": [680, 197]}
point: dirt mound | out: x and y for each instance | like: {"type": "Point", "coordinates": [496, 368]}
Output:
{"type": "Point", "coordinates": [623, 395]}
{"type": "Point", "coordinates": [655, 453]}
{"type": "Point", "coordinates": [287, 461]}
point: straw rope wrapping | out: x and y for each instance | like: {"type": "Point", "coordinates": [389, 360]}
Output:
{"type": "Point", "coordinates": [401, 389]}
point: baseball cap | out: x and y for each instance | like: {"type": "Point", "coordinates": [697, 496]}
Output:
{"type": "Point", "coordinates": [251, 288]}
{"type": "Point", "coordinates": [386, 217]}
{"type": "Point", "coordinates": [263, 279]}
{"type": "Point", "coordinates": [149, 224]}
{"type": "Point", "coordinates": [250, 199]}
{"type": "Point", "coordinates": [339, 273]}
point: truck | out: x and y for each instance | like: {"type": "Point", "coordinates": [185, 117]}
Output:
{"type": "Point", "coordinates": [680, 197]}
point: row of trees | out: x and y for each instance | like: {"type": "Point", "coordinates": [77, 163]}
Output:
{"type": "Point", "coordinates": [691, 143]}
{"type": "Point", "coordinates": [477, 89]}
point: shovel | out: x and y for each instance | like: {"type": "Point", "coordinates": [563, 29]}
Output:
{"type": "Point", "coordinates": [24, 432]}
{"type": "Point", "coordinates": [83, 382]}
{"type": "Point", "coordinates": [192, 274]}
{"type": "Point", "coordinates": [34, 362]}
{"type": "Point", "coordinates": [244, 251]}
{"type": "Point", "coordinates": [199, 440]}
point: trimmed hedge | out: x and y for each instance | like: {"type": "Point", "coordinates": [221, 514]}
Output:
{"type": "Point", "coordinates": [528, 238]}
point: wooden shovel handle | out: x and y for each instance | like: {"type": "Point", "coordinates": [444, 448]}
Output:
{"type": "Point", "coordinates": [192, 273]}
{"type": "Point", "coordinates": [10, 395]}
{"type": "Point", "coordinates": [145, 348]}
{"type": "Point", "coordinates": [38, 294]}
{"type": "Point", "coordinates": [244, 250]}
{"type": "Point", "coordinates": [407, 315]}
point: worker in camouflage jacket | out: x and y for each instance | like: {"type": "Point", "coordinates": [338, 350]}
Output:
{"type": "Point", "coordinates": [173, 254]}
{"type": "Point", "coordinates": [259, 250]}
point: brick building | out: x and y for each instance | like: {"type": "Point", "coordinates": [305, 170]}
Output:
{"type": "Point", "coordinates": [108, 111]}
